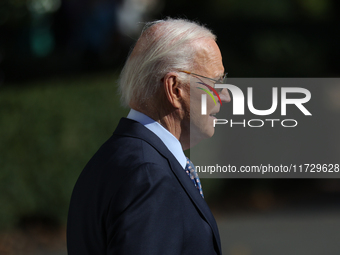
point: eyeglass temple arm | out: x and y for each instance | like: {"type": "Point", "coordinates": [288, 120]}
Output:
{"type": "Point", "coordinates": [187, 72]}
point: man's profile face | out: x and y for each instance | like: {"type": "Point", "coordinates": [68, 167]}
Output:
{"type": "Point", "coordinates": [208, 62]}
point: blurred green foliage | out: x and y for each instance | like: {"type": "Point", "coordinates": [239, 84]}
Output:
{"type": "Point", "coordinates": [49, 130]}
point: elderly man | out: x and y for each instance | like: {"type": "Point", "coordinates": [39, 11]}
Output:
{"type": "Point", "coordinates": [139, 194]}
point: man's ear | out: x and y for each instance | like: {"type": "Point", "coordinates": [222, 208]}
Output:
{"type": "Point", "coordinates": [174, 90]}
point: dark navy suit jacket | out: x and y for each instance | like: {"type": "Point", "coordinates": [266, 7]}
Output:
{"type": "Point", "coordinates": [133, 197]}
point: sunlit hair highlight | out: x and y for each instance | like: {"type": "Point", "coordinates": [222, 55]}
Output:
{"type": "Point", "coordinates": [164, 46]}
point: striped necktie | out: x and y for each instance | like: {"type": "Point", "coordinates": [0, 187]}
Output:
{"type": "Point", "coordinates": [191, 171]}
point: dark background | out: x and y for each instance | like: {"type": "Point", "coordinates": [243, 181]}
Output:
{"type": "Point", "coordinates": [59, 62]}
{"type": "Point", "coordinates": [278, 38]}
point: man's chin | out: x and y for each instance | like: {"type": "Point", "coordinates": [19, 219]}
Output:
{"type": "Point", "coordinates": [198, 136]}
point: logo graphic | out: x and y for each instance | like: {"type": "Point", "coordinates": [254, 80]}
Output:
{"type": "Point", "coordinates": [239, 104]}
{"type": "Point", "coordinates": [204, 97]}
{"type": "Point", "coordinates": [208, 92]}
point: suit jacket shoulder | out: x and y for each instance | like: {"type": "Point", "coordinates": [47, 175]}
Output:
{"type": "Point", "coordinates": [133, 197]}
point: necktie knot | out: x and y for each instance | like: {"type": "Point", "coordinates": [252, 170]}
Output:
{"type": "Point", "coordinates": [191, 172]}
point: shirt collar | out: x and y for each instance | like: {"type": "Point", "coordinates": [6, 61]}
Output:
{"type": "Point", "coordinates": [167, 138]}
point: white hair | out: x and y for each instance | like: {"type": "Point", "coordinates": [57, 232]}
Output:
{"type": "Point", "coordinates": [164, 46]}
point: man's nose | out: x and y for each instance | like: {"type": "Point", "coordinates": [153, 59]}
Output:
{"type": "Point", "coordinates": [224, 95]}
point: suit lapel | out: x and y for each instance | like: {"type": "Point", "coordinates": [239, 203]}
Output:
{"type": "Point", "coordinates": [127, 127]}
{"type": "Point", "coordinates": [195, 197]}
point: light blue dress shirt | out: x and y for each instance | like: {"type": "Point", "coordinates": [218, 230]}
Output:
{"type": "Point", "coordinates": [167, 138]}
